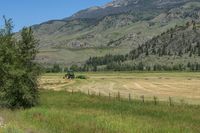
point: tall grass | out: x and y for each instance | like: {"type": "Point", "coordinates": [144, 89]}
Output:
{"type": "Point", "coordinates": [62, 112]}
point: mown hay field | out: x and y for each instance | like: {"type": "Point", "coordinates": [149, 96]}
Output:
{"type": "Point", "coordinates": [182, 87]}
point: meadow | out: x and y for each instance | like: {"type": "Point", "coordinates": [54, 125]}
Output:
{"type": "Point", "coordinates": [61, 111]}
{"type": "Point", "coordinates": [181, 86]}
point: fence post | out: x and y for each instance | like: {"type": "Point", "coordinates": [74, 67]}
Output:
{"type": "Point", "coordinates": [129, 97]}
{"type": "Point", "coordinates": [119, 95]}
{"type": "Point", "coordinates": [170, 101]}
{"type": "Point", "coordinates": [142, 97]}
{"type": "Point", "coordinates": [155, 100]}
{"type": "Point", "coordinates": [88, 92]}
{"type": "Point", "coordinates": [99, 93]}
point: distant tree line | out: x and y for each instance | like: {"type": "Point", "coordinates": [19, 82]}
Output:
{"type": "Point", "coordinates": [120, 66]}
{"type": "Point", "coordinates": [97, 61]}
{"type": "Point", "coordinates": [157, 67]}
{"type": "Point", "coordinates": [142, 66]}
{"type": "Point", "coordinates": [56, 68]}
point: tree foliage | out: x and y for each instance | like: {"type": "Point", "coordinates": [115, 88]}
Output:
{"type": "Point", "coordinates": [18, 71]}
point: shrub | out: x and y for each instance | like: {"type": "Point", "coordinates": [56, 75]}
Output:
{"type": "Point", "coordinates": [81, 77]}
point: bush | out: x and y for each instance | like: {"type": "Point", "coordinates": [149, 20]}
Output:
{"type": "Point", "coordinates": [81, 77]}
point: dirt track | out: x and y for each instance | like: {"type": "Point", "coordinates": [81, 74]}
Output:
{"type": "Point", "coordinates": [180, 87]}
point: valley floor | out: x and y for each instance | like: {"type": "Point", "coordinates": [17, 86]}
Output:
{"type": "Point", "coordinates": [180, 86]}
{"type": "Point", "coordinates": [61, 111]}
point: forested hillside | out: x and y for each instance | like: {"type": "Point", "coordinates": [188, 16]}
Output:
{"type": "Point", "coordinates": [176, 49]}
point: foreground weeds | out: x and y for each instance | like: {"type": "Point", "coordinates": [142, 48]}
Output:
{"type": "Point", "coordinates": [62, 112]}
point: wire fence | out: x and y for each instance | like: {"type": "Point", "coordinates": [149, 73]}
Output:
{"type": "Point", "coordinates": [143, 98]}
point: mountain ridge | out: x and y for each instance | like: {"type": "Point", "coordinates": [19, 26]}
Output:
{"type": "Point", "coordinates": [122, 24]}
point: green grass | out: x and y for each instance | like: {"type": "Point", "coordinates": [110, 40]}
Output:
{"type": "Point", "coordinates": [62, 112]}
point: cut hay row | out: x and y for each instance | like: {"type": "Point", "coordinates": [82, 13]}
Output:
{"type": "Point", "coordinates": [180, 87]}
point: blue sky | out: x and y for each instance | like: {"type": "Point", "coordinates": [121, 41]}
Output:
{"type": "Point", "coordinates": [29, 12]}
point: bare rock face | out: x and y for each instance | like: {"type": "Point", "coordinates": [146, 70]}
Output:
{"type": "Point", "coordinates": [77, 44]}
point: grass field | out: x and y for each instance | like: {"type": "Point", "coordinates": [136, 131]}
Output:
{"type": "Point", "coordinates": [61, 111]}
{"type": "Point", "coordinates": [182, 87]}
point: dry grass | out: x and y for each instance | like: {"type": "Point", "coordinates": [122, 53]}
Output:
{"type": "Point", "coordinates": [182, 87]}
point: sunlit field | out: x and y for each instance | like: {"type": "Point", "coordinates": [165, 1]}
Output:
{"type": "Point", "coordinates": [181, 87]}
{"type": "Point", "coordinates": [84, 105]}
{"type": "Point", "coordinates": [64, 112]}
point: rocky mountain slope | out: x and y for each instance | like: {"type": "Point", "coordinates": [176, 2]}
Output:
{"type": "Point", "coordinates": [176, 49]}
{"type": "Point", "coordinates": [118, 26]}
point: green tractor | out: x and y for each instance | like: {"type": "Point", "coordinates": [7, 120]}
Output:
{"type": "Point", "coordinates": [70, 75]}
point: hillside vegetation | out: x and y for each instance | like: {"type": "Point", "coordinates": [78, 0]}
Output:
{"type": "Point", "coordinates": [176, 49]}
{"type": "Point", "coordinates": [121, 24]}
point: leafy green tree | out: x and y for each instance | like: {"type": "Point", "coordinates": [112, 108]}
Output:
{"type": "Point", "coordinates": [74, 68]}
{"type": "Point", "coordinates": [66, 69]}
{"type": "Point", "coordinates": [18, 71]}
{"type": "Point", "coordinates": [56, 68]}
